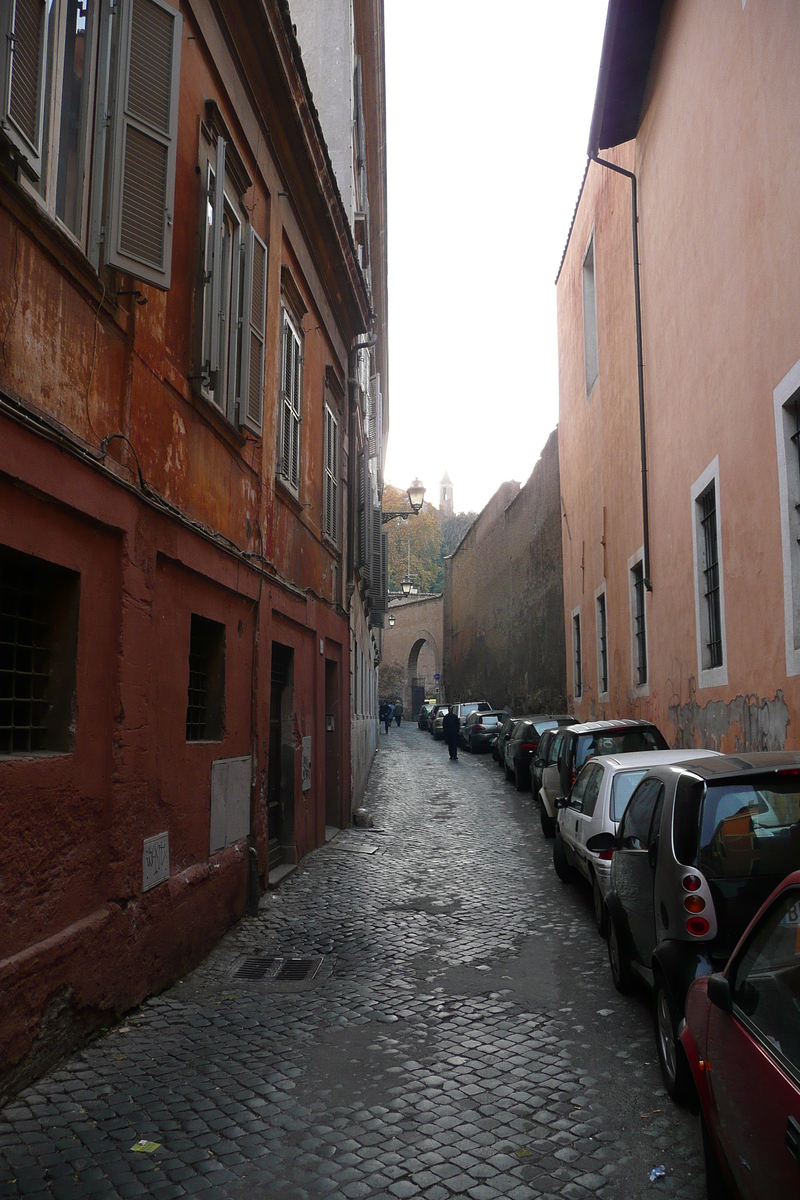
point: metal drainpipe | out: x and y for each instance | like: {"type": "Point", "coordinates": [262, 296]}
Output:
{"type": "Point", "coordinates": [602, 162]}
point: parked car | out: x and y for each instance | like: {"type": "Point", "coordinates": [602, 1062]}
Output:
{"type": "Point", "coordinates": [571, 747]}
{"type": "Point", "coordinates": [595, 806]}
{"type": "Point", "coordinates": [462, 710]}
{"type": "Point", "coordinates": [423, 714]}
{"type": "Point", "coordinates": [480, 730]}
{"type": "Point", "coordinates": [437, 711]}
{"type": "Point", "coordinates": [699, 848]}
{"type": "Point", "coordinates": [741, 1038]}
{"type": "Point", "coordinates": [506, 729]}
{"type": "Point", "coordinates": [523, 743]}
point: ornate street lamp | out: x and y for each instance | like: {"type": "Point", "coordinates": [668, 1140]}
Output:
{"type": "Point", "coordinates": [406, 585]}
{"type": "Point", "coordinates": [416, 495]}
{"type": "Point", "coordinates": [391, 620]}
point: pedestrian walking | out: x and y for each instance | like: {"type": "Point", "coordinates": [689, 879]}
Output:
{"type": "Point", "coordinates": [450, 727]}
{"type": "Point", "coordinates": [387, 716]}
{"type": "Point", "coordinates": [398, 713]}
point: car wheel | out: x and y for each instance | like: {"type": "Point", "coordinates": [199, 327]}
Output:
{"type": "Point", "coordinates": [548, 824]}
{"type": "Point", "coordinates": [600, 911]}
{"type": "Point", "coordinates": [716, 1184]}
{"type": "Point", "coordinates": [563, 870]}
{"type": "Point", "coordinates": [674, 1067]}
{"type": "Point", "coordinates": [618, 960]}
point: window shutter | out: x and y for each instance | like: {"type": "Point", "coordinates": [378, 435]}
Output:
{"type": "Point", "coordinates": [291, 386]}
{"type": "Point", "coordinates": [374, 391]}
{"type": "Point", "coordinates": [216, 264]}
{"type": "Point", "coordinates": [384, 571]}
{"type": "Point", "coordinates": [145, 133]}
{"type": "Point", "coordinates": [376, 567]}
{"type": "Point", "coordinates": [251, 402]}
{"type": "Point", "coordinates": [23, 51]}
{"type": "Point", "coordinates": [366, 515]}
{"type": "Point", "coordinates": [334, 479]}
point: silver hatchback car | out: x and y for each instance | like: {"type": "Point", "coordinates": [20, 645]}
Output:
{"type": "Point", "coordinates": [595, 805]}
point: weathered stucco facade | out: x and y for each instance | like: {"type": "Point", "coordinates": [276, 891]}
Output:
{"type": "Point", "coordinates": [711, 141]}
{"type": "Point", "coordinates": [178, 506]}
{"type": "Point", "coordinates": [503, 599]}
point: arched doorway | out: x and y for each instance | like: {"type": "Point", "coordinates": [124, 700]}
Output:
{"type": "Point", "coordinates": [423, 669]}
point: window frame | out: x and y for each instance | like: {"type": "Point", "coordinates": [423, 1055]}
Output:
{"type": "Point", "coordinates": [708, 675]}
{"type": "Point", "coordinates": [577, 655]}
{"type": "Point", "coordinates": [641, 687]}
{"type": "Point", "coordinates": [330, 473]}
{"type": "Point", "coordinates": [786, 401]}
{"type": "Point", "coordinates": [290, 410]}
{"type": "Point", "coordinates": [601, 600]}
{"type": "Point", "coordinates": [591, 349]}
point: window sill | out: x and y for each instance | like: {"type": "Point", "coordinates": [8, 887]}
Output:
{"type": "Point", "coordinates": [212, 416]}
{"type": "Point", "coordinates": [285, 491]}
{"type": "Point", "coordinates": [713, 677]}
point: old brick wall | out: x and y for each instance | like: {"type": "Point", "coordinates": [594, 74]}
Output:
{"type": "Point", "coordinates": [413, 648]}
{"type": "Point", "coordinates": [503, 598]}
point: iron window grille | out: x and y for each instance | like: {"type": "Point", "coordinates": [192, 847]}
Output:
{"type": "Point", "coordinates": [38, 650]}
{"type": "Point", "coordinates": [708, 522]}
{"type": "Point", "coordinates": [205, 698]}
{"type": "Point", "coordinates": [602, 640]}
{"type": "Point", "coordinates": [576, 643]}
{"type": "Point", "coordinates": [639, 631]}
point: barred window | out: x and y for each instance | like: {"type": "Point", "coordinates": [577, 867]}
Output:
{"type": "Point", "coordinates": [577, 669]}
{"type": "Point", "coordinates": [639, 629]}
{"type": "Point", "coordinates": [602, 645]}
{"type": "Point", "coordinates": [205, 708]}
{"type": "Point", "coordinates": [39, 606]}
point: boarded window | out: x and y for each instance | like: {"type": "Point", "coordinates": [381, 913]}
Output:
{"type": "Point", "coordinates": [251, 398]}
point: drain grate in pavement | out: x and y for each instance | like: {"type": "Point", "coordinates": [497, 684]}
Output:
{"type": "Point", "coordinates": [295, 969]}
{"type": "Point", "coordinates": [257, 967]}
{"type": "Point", "coordinates": [271, 969]}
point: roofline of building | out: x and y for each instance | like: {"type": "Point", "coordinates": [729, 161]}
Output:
{"type": "Point", "coordinates": [629, 43]}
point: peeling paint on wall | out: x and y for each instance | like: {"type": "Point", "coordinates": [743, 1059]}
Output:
{"type": "Point", "coordinates": [742, 725]}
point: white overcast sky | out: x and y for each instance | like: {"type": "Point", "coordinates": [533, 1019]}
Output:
{"type": "Point", "coordinates": [488, 112]}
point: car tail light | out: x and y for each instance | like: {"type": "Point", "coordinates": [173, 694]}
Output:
{"type": "Point", "coordinates": [692, 883]}
{"type": "Point", "coordinates": [478, 728]}
{"type": "Point", "coordinates": [606, 855]}
{"type": "Point", "coordinates": [573, 775]}
{"type": "Point", "coordinates": [694, 904]}
{"type": "Point", "coordinates": [529, 747]}
{"type": "Point", "coordinates": [697, 926]}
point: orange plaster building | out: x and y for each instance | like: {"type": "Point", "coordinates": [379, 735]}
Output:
{"type": "Point", "coordinates": [678, 423]}
{"type": "Point", "coordinates": [185, 309]}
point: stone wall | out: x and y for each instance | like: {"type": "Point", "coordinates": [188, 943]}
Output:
{"type": "Point", "coordinates": [503, 599]}
{"type": "Point", "coordinates": [413, 647]}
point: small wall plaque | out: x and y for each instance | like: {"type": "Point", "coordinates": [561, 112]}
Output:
{"type": "Point", "coordinates": [155, 861]}
{"type": "Point", "coordinates": [306, 763]}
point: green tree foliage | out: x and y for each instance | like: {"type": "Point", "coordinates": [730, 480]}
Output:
{"type": "Point", "coordinates": [427, 538]}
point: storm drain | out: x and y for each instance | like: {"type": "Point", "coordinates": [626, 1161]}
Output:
{"type": "Point", "coordinates": [257, 968]}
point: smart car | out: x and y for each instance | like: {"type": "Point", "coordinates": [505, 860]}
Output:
{"type": "Point", "coordinates": [700, 846]}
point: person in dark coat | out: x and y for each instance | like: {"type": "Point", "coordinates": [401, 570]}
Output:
{"type": "Point", "coordinates": [398, 712]}
{"type": "Point", "coordinates": [387, 716]}
{"type": "Point", "coordinates": [450, 727]}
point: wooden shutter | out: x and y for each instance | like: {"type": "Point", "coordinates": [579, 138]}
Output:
{"type": "Point", "coordinates": [216, 281]}
{"type": "Point", "coordinates": [365, 524]}
{"type": "Point", "coordinates": [374, 420]}
{"type": "Point", "coordinates": [291, 390]}
{"type": "Point", "coordinates": [142, 189]}
{"type": "Point", "coordinates": [23, 58]}
{"type": "Point", "coordinates": [254, 318]}
{"type": "Point", "coordinates": [384, 571]}
{"type": "Point", "coordinates": [331, 498]}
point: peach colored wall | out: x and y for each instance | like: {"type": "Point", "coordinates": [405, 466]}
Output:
{"type": "Point", "coordinates": [718, 184]}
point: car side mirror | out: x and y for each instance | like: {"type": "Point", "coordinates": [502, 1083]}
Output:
{"type": "Point", "coordinates": [601, 842]}
{"type": "Point", "coordinates": [561, 801]}
{"type": "Point", "coordinates": [719, 992]}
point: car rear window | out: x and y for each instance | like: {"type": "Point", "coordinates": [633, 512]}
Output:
{"type": "Point", "coordinates": [622, 787]}
{"type": "Point", "coordinates": [541, 726]}
{"type": "Point", "coordinates": [622, 741]}
{"type": "Point", "coordinates": [488, 719]}
{"type": "Point", "coordinates": [750, 828]}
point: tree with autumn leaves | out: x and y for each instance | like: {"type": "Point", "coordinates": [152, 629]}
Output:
{"type": "Point", "coordinates": [429, 536]}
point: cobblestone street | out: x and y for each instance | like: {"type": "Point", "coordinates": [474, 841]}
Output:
{"type": "Point", "coordinates": [461, 1036]}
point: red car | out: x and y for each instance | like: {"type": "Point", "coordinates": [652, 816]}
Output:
{"type": "Point", "coordinates": [741, 1035]}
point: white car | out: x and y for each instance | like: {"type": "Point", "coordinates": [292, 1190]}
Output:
{"type": "Point", "coordinates": [597, 800]}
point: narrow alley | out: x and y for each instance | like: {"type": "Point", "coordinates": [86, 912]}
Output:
{"type": "Point", "coordinates": [458, 1033]}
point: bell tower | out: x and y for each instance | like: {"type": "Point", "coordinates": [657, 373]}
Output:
{"type": "Point", "coordinates": [446, 495]}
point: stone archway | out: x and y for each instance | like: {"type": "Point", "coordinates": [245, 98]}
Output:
{"type": "Point", "coordinates": [412, 649]}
